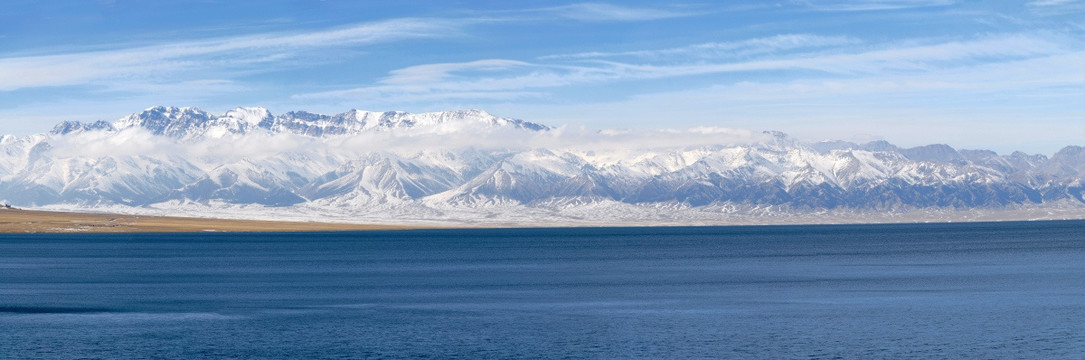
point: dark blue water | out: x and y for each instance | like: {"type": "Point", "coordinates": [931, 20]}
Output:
{"type": "Point", "coordinates": [1006, 290]}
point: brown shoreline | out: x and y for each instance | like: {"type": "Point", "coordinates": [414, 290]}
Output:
{"type": "Point", "coordinates": [36, 221]}
{"type": "Point", "coordinates": [13, 221]}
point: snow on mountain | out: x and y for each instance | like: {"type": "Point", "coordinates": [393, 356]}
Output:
{"type": "Point", "coordinates": [397, 166]}
{"type": "Point", "coordinates": [193, 123]}
{"type": "Point", "coordinates": [250, 116]}
{"type": "Point", "coordinates": [168, 121]}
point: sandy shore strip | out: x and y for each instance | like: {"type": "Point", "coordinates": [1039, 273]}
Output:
{"type": "Point", "coordinates": [35, 221]}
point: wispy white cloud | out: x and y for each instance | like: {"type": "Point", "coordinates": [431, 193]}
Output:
{"type": "Point", "coordinates": [1057, 7]}
{"type": "Point", "coordinates": [131, 142]}
{"type": "Point", "coordinates": [609, 12]}
{"type": "Point", "coordinates": [871, 5]}
{"type": "Point", "coordinates": [938, 55]}
{"type": "Point", "coordinates": [489, 79]}
{"type": "Point", "coordinates": [205, 55]}
{"type": "Point", "coordinates": [1042, 3]}
{"type": "Point", "coordinates": [260, 145]}
{"type": "Point", "coordinates": [438, 72]}
{"type": "Point", "coordinates": [1012, 105]}
{"type": "Point", "coordinates": [757, 46]}
{"type": "Point", "coordinates": [899, 90]}
{"type": "Point", "coordinates": [494, 77]}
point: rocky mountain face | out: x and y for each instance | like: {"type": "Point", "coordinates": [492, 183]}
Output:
{"type": "Point", "coordinates": [147, 159]}
{"type": "Point", "coordinates": [188, 123]}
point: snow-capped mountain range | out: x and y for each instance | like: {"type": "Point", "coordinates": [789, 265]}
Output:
{"type": "Point", "coordinates": [471, 166]}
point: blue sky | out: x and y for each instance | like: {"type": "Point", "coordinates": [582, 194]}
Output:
{"type": "Point", "coordinates": [973, 74]}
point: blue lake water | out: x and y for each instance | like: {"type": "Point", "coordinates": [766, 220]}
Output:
{"type": "Point", "coordinates": [987, 290]}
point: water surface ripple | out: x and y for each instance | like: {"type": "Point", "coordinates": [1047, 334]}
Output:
{"type": "Point", "coordinates": [987, 290]}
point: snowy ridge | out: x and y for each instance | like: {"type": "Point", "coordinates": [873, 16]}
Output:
{"type": "Point", "coordinates": [473, 166]}
{"type": "Point", "coordinates": [193, 123]}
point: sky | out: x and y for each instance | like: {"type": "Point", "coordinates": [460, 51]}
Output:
{"type": "Point", "coordinates": [1000, 75]}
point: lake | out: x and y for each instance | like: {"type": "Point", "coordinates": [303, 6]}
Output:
{"type": "Point", "coordinates": [979, 290]}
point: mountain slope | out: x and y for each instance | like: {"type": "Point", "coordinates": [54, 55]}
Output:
{"type": "Point", "coordinates": [470, 164]}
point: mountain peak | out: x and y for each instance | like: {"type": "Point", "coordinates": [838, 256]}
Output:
{"type": "Point", "coordinates": [166, 120]}
{"type": "Point", "coordinates": [880, 145]}
{"type": "Point", "coordinates": [217, 164]}
{"type": "Point", "coordinates": [173, 111]}
{"type": "Point", "coordinates": [933, 152]}
{"type": "Point", "coordinates": [253, 116]}
{"type": "Point", "coordinates": [185, 122]}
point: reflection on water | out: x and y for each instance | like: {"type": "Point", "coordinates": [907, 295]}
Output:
{"type": "Point", "coordinates": [958, 290]}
